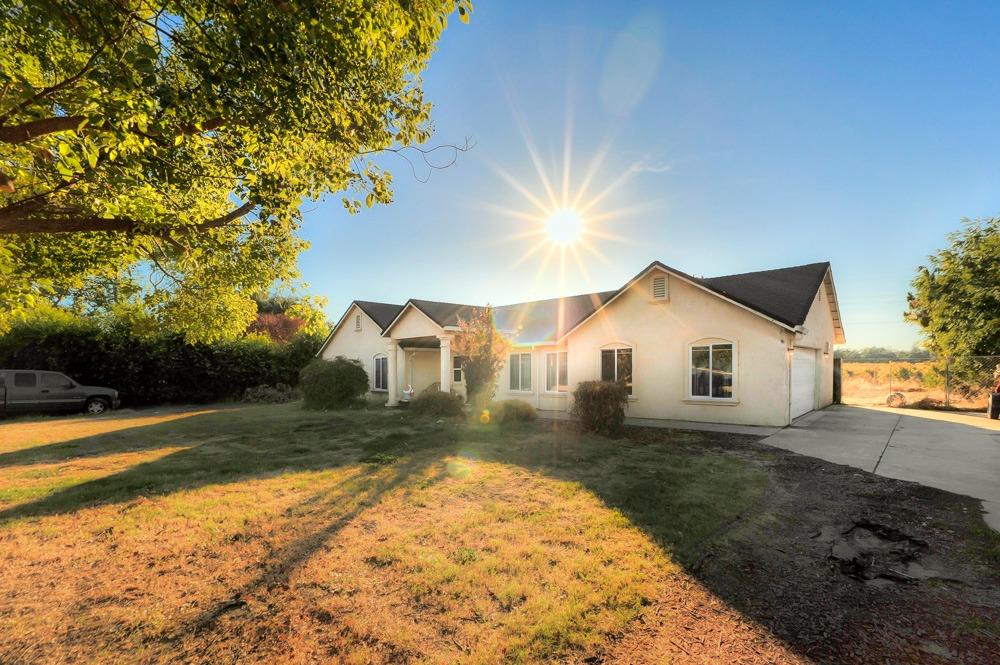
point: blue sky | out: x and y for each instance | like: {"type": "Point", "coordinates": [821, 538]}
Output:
{"type": "Point", "coordinates": [734, 138]}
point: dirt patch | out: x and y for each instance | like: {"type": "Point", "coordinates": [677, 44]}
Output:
{"type": "Point", "coordinates": [849, 567]}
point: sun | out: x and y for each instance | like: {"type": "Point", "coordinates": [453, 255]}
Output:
{"type": "Point", "coordinates": [564, 226]}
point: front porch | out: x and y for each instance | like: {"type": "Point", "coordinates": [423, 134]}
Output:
{"type": "Point", "coordinates": [417, 363]}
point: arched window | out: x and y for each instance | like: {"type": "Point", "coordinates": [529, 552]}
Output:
{"type": "Point", "coordinates": [616, 364]}
{"type": "Point", "coordinates": [380, 372]}
{"type": "Point", "coordinates": [712, 369]}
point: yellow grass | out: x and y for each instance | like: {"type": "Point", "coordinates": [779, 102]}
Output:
{"type": "Point", "coordinates": [261, 535]}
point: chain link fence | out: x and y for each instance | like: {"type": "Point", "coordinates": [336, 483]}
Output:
{"type": "Point", "coordinates": [962, 383]}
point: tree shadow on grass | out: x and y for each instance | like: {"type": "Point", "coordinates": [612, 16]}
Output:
{"type": "Point", "coordinates": [230, 447]}
{"type": "Point", "coordinates": [683, 490]}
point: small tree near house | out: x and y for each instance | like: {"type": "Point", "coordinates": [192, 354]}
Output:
{"type": "Point", "coordinates": [483, 351]}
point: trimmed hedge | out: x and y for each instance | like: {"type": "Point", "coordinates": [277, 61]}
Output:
{"type": "Point", "coordinates": [600, 406]}
{"type": "Point", "coordinates": [333, 384]}
{"type": "Point", "coordinates": [153, 370]}
{"type": "Point", "coordinates": [510, 411]}
{"type": "Point", "coordinates": [436, 403]}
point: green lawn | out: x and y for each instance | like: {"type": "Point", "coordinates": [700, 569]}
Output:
{"type": "Point", "coordinates": [273, 533]}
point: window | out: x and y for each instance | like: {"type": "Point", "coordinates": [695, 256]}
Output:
{"type": "Point", "coordinates": [53, 380]}
{"type": "Point", "coordinates": [520, 372]}
{"type": "Point", "coordinates": [616, 365]}
{"type": "Point", "coordinates": [25, 380]}
{"type": "Point", "coordinates": [712, 371]}
{"type": "Point", "coordinates": [380, 380]}
{"type": "Point", "coordinates": [456, 369]}
{"type": "Point", "coordinates": [357, 323]}
{"type": "Point", "coordinates": [659, 288]}
{"type": "Point", "coordinates": [555, 372]}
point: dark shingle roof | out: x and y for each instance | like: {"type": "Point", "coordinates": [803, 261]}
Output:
{"type": "Point", "coordinates": [445, 313]}
{"type": "Point", "coordinates": [785, 294]}
{"type": "Point", "coordinates": [548, 320]}
{"type": "Point", "coordinates": [381, 313]}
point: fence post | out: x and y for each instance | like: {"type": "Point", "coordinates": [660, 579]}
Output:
{"type": "Point", "coordinates": [947, 381]}
{"type": "Point", "coordinates": [836, 380]}
{"type": "Point", "coordinates": [890, 377]}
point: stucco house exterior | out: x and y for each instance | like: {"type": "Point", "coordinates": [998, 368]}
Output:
{"type": "Point", "coordinates": [753, 349]}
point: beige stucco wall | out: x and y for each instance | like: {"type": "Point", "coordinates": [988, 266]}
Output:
{"type": "Point", "coordinates": [356, 345]}
{"type": "Point", "coordinates": [660, 333]}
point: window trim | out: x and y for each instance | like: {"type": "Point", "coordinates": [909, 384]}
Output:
{"type": "Point", "coordinates": [545, 365]}
{"type": "Point", "coordinates": [619, 344]}
{"type": "Point", "coordinates": [459, 369]}
{"type": "Point", "coordinates": [531, 370]}
{"type": "Point", "coordinates": [357, 322]}
{"type": "Point", "coordinates": [708, 399]}
{"type": "Point", "coordinates": [375, 358]}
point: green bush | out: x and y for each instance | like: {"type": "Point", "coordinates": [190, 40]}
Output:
{"type": "Point", "coordinates": [436, 403]}
{"type": "Point", "coordinates": [265, 394]}
{"type": "Point", "coordinates": [510, 411]}
{"type": "Point", "coordinates": [600, 406]}
{"type": "Point", "coordinates": [333, 384]}
{"type": "Point", "coordinates": [153, 370]}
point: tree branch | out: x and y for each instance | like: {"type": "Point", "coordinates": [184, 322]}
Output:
{"type": "Point", "coordinates": [32, 129]}
{"type": "Point", "coordinates": [73, 223]}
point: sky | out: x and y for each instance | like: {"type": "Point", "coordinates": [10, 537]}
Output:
{"type": "Point", "coordinates": [717, 138]}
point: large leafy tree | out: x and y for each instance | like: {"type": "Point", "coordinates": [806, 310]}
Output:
{"type": "Point", "coordinates": [956, 299]}
{"type": "Point", "coordinates": [164, 147]}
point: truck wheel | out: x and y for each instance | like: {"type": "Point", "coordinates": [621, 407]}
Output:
{"type": "Point", "coordinates": [97, 405]}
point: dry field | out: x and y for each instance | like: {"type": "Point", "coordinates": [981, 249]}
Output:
{"type": "Point", "coordinates": [921, 383]}
{"type": "Point", "coordinates": [270, 534]}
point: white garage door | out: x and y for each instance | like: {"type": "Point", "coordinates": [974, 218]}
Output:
{"type": "Point", "coordinates": [803, 381]}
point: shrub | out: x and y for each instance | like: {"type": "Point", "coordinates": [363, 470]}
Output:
{"type": "Point", "coordinates": [333, 384]}
{"type": "Point", "coordinates": [436, 403]}
{"type": "Point", "coordinates": [600, 406]}
{"type": "Point", "coordinates": [510, 411]}
{"type": "Point", "coordinates": [265, 394]}
{"type": "Point", "coordinates": [152, 369]}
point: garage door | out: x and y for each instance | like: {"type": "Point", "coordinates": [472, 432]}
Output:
{"type": "Point", "coordinates": [803, 381]}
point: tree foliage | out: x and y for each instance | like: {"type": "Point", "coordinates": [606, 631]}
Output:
{"type": "Point", "coordinates": [150, 369]}
{"type": "Point", "coordinates": [483, 351]}
{"type": "Point", "coordinates": [162, 148]}
{"type": "Point", "coordinates": [956, 299]}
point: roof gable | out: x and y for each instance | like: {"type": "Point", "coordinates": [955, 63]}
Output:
{"type": "Point", "coordinates": [784, 294]}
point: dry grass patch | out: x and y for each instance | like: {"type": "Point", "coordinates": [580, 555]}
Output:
{"type": "Point", "coordinates": [269, 534]}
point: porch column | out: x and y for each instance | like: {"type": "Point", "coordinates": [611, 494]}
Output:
{"type": "Point", "coordinates": [393, 374]}
{"type": "Point", "coordinates": [445, 363]}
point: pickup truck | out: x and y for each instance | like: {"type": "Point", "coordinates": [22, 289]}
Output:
{"type": "Point", "coordinates": [32, 391]}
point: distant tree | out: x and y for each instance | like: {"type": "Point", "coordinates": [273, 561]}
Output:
{"type": "Point", "coordinates": [172, 143]}
{"type": "Point", "coordinates": [880, 353]}
{"type": "Point", "coordinates": [483, 351]}
{"type": "Point", "coordinates": [956, 299]}
{"type": "Point", "coordinates": [280, 328]}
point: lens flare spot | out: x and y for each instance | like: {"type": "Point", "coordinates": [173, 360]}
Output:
{"type": "Point", "coordinates": [564, 226]}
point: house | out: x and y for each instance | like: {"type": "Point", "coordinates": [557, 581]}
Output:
{"type": "Point", "coordinates": [753, 349]}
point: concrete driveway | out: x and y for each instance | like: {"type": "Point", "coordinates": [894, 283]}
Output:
{"type": "Point", "coordinates": [951, 451]}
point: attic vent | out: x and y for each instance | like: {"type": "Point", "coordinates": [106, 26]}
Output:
{"type": "Point", "coordinates": [357, 322]}
{"type": "Point", "coordinates": [660, 288]}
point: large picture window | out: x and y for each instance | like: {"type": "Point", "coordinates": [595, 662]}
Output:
{"type": "Point", "coordinates": [380, 380]}
{"type": "Point", "coordinates": [712, 371]}
{"type": "Point", "coordinates": [616, 365]}
{"type": "Point", "coordinates": [520, 372]}
{"type": "Point", "coordinates": [556, 372]}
